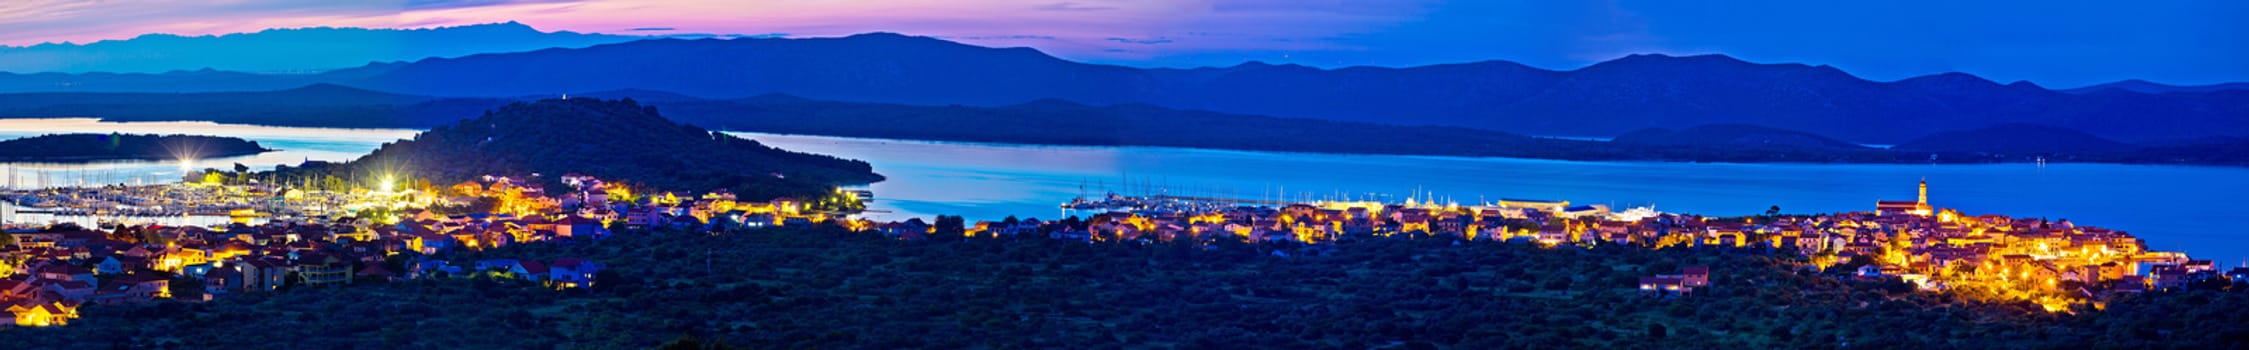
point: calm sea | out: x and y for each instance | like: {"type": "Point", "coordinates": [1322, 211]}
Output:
{"type": "Point", "coordinates": [2190, 208]}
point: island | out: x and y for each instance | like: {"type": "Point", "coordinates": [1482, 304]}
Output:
{"type": "Point", "coordinates": [115, 146]}
{"type": "Point", "coordinates": [623, 141]}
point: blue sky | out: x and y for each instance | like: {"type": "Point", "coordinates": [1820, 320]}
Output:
{"type": "Point", "coordinates": [2057, 43]}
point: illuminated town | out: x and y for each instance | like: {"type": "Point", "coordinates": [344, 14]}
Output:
{"type": "Point", "coordinates": [280, 237]}
{"type": "Point", "coordinates": [1111, 174]}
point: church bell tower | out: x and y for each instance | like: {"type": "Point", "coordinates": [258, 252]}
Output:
{"type": "Point", "coordinates": [1924, 192]}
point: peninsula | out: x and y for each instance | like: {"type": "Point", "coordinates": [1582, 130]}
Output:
{"type": "Point", "coordinates": [98, 147]}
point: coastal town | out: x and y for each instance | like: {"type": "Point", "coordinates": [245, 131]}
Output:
{"type": "Point", "coordinates": [279, 237]}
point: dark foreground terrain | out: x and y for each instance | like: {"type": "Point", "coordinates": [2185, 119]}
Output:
{"type": "Point", "coordinates": [826, 288]}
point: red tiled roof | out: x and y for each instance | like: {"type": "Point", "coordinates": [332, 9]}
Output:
{"type": "Point", "coordinates": [533, 267]}
{"type": "Point", "coordinates": [568, 263]}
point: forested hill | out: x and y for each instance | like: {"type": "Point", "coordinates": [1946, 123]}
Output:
{"type": "Point", "coordinates": [611, 139]}
{"type": "Point", "coordinates": [91, 147]}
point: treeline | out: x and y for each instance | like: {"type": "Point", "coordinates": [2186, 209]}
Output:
{"type": "Point", "coordinates": [828, 288]}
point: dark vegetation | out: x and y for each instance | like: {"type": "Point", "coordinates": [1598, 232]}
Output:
{"type": "Point", "coordinates": [113, 146]}
{"type": "Point", "coordinates": [1607, 98]}
{"type": "Point", "coordinates": [827, 288]}
{"type": "Point", "coordinates": [609, 139]}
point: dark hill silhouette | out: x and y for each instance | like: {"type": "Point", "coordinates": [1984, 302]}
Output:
{"type": "Point", "coordinates": [1733, 135]}
{"type": "Point", "coordinates": [323, 105]}
{"type": "Point", "coordinates": [95, 147]}
{"type": "Point", "coordinates": [2014, 139]}
{"type": "Point", "coordinates": [611, 139]}
{"type": "Point", "coordinates": [642, 95]}
{"type": "Point", "coordinates": [1608, 98]}
{"type": "Point", "coordinates": [2149, 87]}
{"type": "Point", "coordinates": [868, 67]}
{"type": "Point", "coordinates": [2212, 151]}
{"type": "Point", "coordinates": [1060, 122]}
{"type": "Point", "coordinates": [288, 50]}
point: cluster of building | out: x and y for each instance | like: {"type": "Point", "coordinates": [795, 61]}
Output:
{"type": "Point", "coordinates": [1547, 222]}
{"type": "Point", "coordinates": [247, 202]}
{"type": "Point", "coordinates": [593, 205]}
{"type": "Point", "coordinates": [318, 238]}
{"type": "Point", "coordinates": [49, 273]}
{"type": "Point", "coordinates": [1676, 285]}
{"type": "Point", "coordinates": [2053, 263]}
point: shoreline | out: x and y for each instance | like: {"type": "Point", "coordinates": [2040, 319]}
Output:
{"type": "Point", "coordinates": [1585, 150]}
{"type": "Point", "coordinates": [97, 159]}
{"type": "Point", "coordinates": [1436, 154]}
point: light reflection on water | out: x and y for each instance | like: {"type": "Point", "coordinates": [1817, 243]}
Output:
{"type": "Point", "coordinates": [11, 214]}
{"type": "Point", "coordinates": [295, 145]}
{"type": "Point", "coordinates": [2189, 208]}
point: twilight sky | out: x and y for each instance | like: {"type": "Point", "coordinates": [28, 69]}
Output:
{"type": "Point", "coordinates": [2057, 43]}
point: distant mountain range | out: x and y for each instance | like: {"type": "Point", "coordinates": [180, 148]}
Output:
{"type": "Point", "coordinates": [2014, 139]}
{"type": "Point", "coordinates": [1734, 136]}
{"type": "Point", "coordinates": [1609, 98]}
{"type": "Point", "coordinates": [2148, 87]}
{"type": "Point", "coordinates": [302, 50]}
{"type": "Point", "coordinates": [321, 105]}
{"type": "Point", "coordinates": [1059, 122]}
